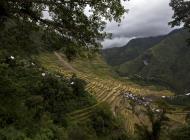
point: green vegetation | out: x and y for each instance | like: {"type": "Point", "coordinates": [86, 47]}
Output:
{"type": "Point", "coordinates": [35, 101]}
{"type": "Point", "coordinates": [180, 101]}
{"type": "Point", "coordinates": [39, 100]}
{"type": "Point", "coordinates": [182, 133]}
{"type": "Point", "coordinates": [102, 125]}
{"type": "Point", "coordinates": [66, 24]}
{"type": "Point", "coordinates": [181, 13]}
{"type": "Point", "coordinates": [166, 63]}
{"type": "Point", "coordinates": [34, 105]}
{"type": "Point", "coordinates": [95, 65]}
{"type": "Point", "coordinates": [117, 56]}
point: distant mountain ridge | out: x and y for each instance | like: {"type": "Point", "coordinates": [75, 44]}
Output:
{"type": "Point", "coordinates": [163, 59]}
{"type": "Point", "coordinates": [117, 56]}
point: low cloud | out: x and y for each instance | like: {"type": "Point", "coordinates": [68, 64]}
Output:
{"type": "Point", "coordinates": [145, 18]}
{"type": "Point", "coordinates": [116, 42]}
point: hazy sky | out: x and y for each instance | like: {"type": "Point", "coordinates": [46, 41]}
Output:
{"type": "Point", "coordinates": [145, 18]}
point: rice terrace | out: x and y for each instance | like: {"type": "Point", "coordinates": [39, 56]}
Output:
{"type": "Point", "coordinates": [94, 70]}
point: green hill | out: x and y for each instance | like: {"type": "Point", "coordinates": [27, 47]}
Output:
{"type": "Point", "coordinates": [117, 56]}
{"type": "Point", "coordinates": [166, 62]}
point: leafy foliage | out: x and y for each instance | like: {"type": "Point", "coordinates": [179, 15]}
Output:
{"type": "Point", "coordinates": [158, 120]}
{"type": "Point", "coordinates": [180, 100]}
{"type": "Point", "coordinates": [181, 13]}
{"type": "Point", "coordinates": [65, 18]}
{"type": "Point", "coordinates": [106, 126]}
{"type": "Point", "coordinates": [34, 102]}
{"type": "Point", "coordinates": [182, 133]}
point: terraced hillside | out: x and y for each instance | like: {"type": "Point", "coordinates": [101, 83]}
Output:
{"type": "Point", "coordinates": [104, 88]}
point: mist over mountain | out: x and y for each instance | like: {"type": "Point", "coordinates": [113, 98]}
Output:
{"type": "Point", "coordinates": [145, 18]}
{"type": "Point", "coordinates": [162, 59]}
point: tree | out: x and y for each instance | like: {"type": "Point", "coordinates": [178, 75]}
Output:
{"type": "Point", "coordinates": [181, 133]}
{"type": "Point", "coordinates": [66, 17]}
{"type": "Point", "coordinates": [181, 12]}
{"type": "Point", "coordinates": [157, 118]}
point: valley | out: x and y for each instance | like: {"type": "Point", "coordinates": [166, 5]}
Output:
{"type": "Point", "coordinates": [124, 97]}
{"type": "Point", "coordinates": [162, 60]}
{"type": "Point", "coordinates": [94, 70]}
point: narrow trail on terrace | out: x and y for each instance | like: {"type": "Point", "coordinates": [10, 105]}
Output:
{"type": "Point", "coordinates": [105, 91]}
{"type": "Point", "coordinates": [65, 63]}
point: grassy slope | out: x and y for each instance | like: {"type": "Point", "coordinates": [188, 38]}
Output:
{"type": "Point", "coordinates": [97, 68]}
{"type": "Point", "coordinates": [168, 63]}
{"type": "Point", "coordinates": [117, 56]}
{"type": "Point", "coordinates": [102, 84]}
{"type": "Point", "coordinates": [100, 79]}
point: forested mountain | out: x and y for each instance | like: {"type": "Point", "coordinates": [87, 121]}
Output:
{"type": "Point", "coordinates": [165, 61]}
{"type": "Point", "coordinates": [117, 56]}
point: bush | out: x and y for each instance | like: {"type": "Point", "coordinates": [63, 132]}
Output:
{"type": "Point", "coordinates": [106, 125]}
{"type": "Point", "coordinates": [27, 95]}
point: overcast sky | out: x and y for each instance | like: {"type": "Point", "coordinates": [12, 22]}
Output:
{"type": "Point", "coordinates": [145, 18]}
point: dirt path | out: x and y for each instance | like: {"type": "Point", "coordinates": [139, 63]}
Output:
{"type": "Point", "coordinates": [64, 63]}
